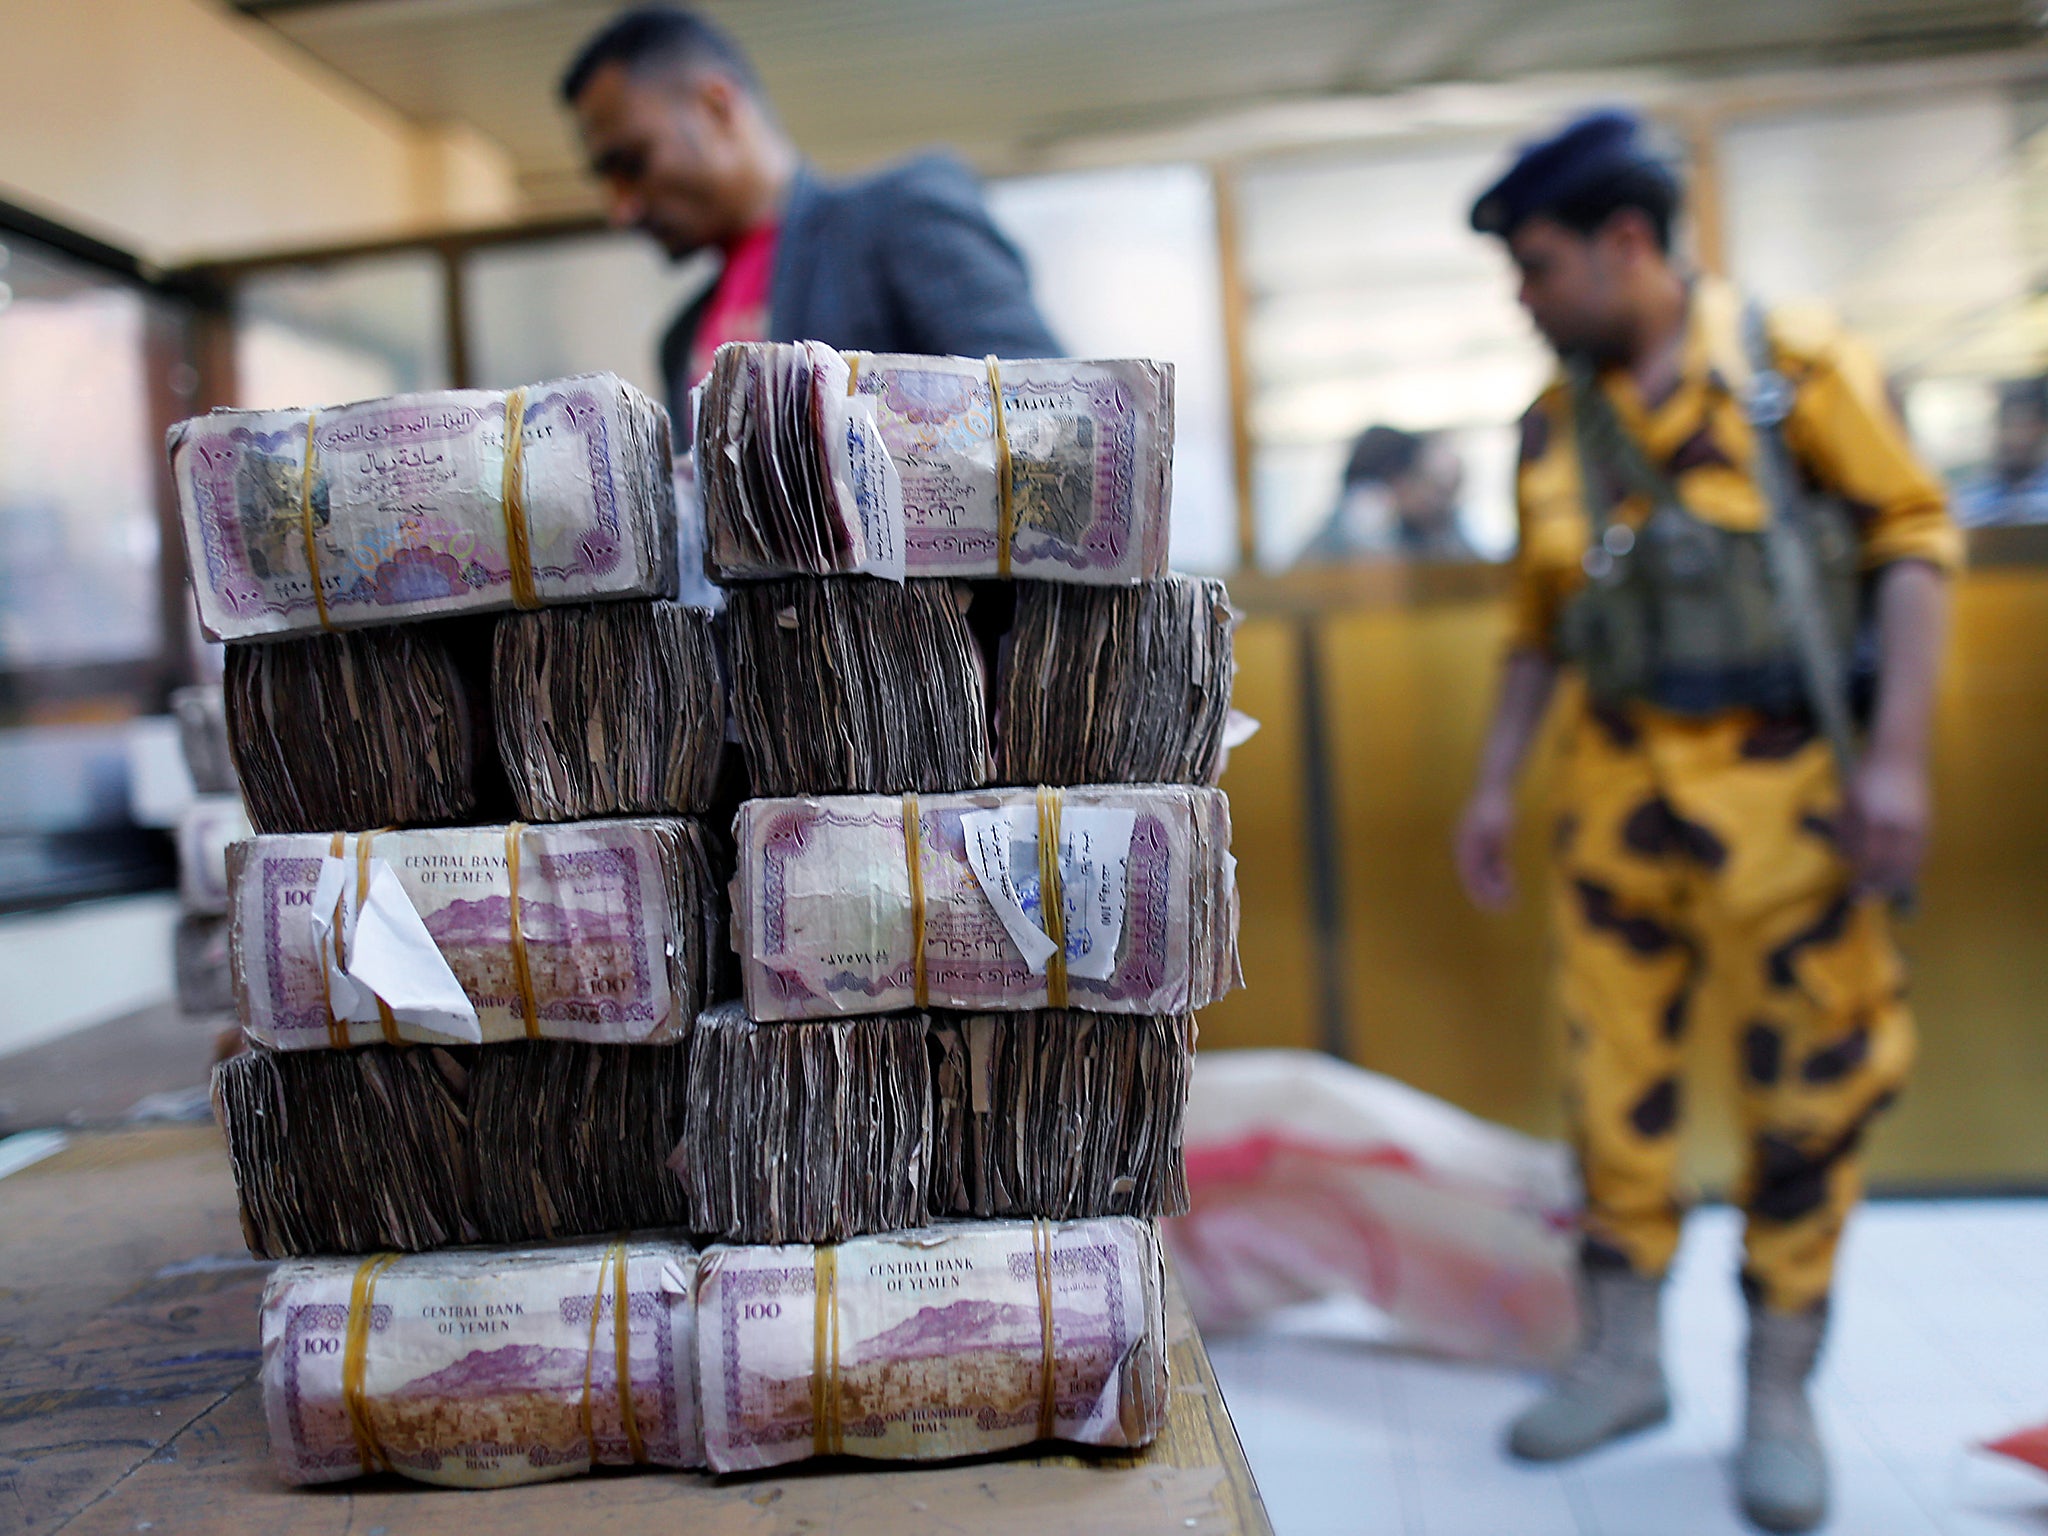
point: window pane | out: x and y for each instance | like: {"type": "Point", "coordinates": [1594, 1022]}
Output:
{"type": "Point", "coordinates": [326, 335]}
{"type": "Point", "coordinates": [78, 523]}
{"type": "Point", "coordinates": [1124, 265]}
{"type": "Point", "coordinates": [588, 304]}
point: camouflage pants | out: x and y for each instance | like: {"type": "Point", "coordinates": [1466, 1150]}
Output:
{"type": "Point", "coordinates": [1683, 839]}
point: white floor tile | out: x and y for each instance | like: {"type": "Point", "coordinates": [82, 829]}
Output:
{"type": "Point", "coordinates": [1940, 1342]}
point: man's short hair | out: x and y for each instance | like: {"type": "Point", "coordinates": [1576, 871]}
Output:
{"type": "Point", "coordinates": [1649, 189]}
{"type": "Point", "coordinates": [1581, 176]}
{"type": "Point", "coordinates": [1381, 454]}
{"type": "Point", "coordinates": [2029, 395]}
{"type": "Point", "coordinates": [655, 37]}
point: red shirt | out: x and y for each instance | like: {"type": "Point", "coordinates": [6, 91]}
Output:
{"type": "Point", "coordinates": [738, 310]}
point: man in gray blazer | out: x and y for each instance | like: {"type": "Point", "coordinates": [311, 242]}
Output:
{"type": "Point", "coordinates": [677, 128]}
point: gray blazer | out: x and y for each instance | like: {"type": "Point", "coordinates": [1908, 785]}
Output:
{"type": "Point", "coordinates": [906, 260]}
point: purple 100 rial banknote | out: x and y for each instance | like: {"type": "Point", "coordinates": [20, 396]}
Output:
{"type": "Point", "coordinates": [600, 930]}
{"type": "Point", "coordinates": [814, 462]}
{"type": "Point", "coordinates": [953, 1341]}
{"type": "Point", "coordinates": [863, 904]}
{"type": "Point", "coordinates": [415, 505]}
{"type": "Point", "coordinates": [482, 1367]}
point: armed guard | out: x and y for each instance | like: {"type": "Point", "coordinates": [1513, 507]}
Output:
{"type": "Point", "coordinates": [1726, 538]}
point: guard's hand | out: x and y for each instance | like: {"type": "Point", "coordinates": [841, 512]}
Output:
{"type": "Point", "coordinates": [1885, 828]}
{"type": "Point", "coordinates": [1481, 849]}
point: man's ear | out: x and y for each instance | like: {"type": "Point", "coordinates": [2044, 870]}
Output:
{"type": "Point", "coordinates": [719, 95]}
{"type": "Point", "coordinates": [1629, 233]}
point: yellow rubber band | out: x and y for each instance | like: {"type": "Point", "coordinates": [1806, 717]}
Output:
{"type": "Point", "coordinates": [337, 1032]}
{"type": "Point", "coordinates": [385, 1017]}
{"type": "Point", "coordinates": [1006, 517]}
{"type": "Point", "coordinates": [1052, 901]}
{"type": "Point", "coordinates": [826, 1438]}
{"type": "Point", "coordinates": [852, 374]}
{"type": "Point", "coordinates": [1048, 1395]}
{"type": "Point", "coordinates": [622, 1338]}
{"type": "Point", "coordinates": [913, 855]}
{"type": "Point", "coordinates": [306, 527]}
{"type": "Point", "coordinates": [355, 1360]}
{"type": "Point", "coordinates": [512, 499]}
{"type": "Point", "coordinates": [522, 971]}
{"type": "Point", "coordinates": [586, 1417]}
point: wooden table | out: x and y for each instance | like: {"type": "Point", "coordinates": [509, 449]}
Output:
{"type": "Point", "coordinates": [128, 1403]}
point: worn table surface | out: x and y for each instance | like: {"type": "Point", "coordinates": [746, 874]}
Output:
{"type": "Point", "coordinates": [128, 1402]}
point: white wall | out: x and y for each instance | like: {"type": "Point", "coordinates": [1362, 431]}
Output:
{"type": "Point", "coordinates": [178, 129]}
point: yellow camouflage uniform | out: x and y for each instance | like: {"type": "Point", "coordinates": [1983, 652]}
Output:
{"type": "Point", "coordinates": [1680, 837]}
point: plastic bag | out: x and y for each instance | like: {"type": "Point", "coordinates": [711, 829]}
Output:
{"type": "Point", "coordinates": [1313, 1179]}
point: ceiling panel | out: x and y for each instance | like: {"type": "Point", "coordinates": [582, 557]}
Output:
{"type": "Point", "coordinates": [1012, 85]}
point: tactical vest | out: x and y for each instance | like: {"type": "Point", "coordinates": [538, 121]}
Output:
{"type": "Point", "coordinates": [1691, 616]}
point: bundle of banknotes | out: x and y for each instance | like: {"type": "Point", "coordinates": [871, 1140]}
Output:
{"type": "Point", "coordinates": [958, 1340]}
{"type": "Point", "coordinates": [601, 930]}
{"type": "Point", "coordinates": [857, 686]}
{"type": "Point", "coordinates": [488, 1367]}
{"type": "Point", "coordinates": [614, 709]}
{"type": "Point", "coordinates": [207, 828]}
{"type": "Point", "coordinates": [743, 1132]}
{"type": "Point", "coordinates": [805, 1132]}
{"type": "Point", "coordinates": [203, 737]}
{"type": "Point", "coordinates": [419, 1148]}
{"type": "Point", "coordinates": [1127, 685]}
{"type": "Point", "coordinates": [402, 508]}
{"type": "Point", "coordinates": [483, 1368]}
{"type": "Point", "coordinates": [201, 978]}
{"type": "Point", "coordinates": [813, 463]}
{"type": "Point", "coordinates": [375, 728]}
{"type": "Point", "coordinates": [1060, 1113]}
{"type": "Point", "coordinates": [860, 904]}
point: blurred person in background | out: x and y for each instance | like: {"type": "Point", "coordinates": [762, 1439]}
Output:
{"type": "Point", "coordinates": [676, 126]}
{"type": "Point", "coordinates": [2015, 489]}
{"type": "Point", "coordinates": [1399, 497]}
{"type": "Point", "coordinates": [1705, 811]}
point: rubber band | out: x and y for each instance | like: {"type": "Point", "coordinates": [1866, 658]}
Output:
{"type": "Point", "coordinates": [852, 374]}
{"type": "Point", "coordinates": [1006, 517]}
{"type": "Point", "coordinates": [913, 855]}
{"type": "Point", "coordinates": [385, 1017]}
{"type": "Point", "coordinates": [586, 1417]}
{"type": "Point", "coordinates": [522, 971]}
{"type": "Point", "coordinates": [1052, 899]}
{"type": "Point", "coordinates": [337, 1032]}
{"type": "Point", "coordinates": [355, 1361]}
{"type": "Point", "coordinates": [1041, 1264]}
{"type": "Point", "coordinates": [306, 528]}
{"type": "Point", "coordinates": [512, 502]}
{"type": "Point", "coordinates": [622, 1338]}
{"type": "Point", "coordinates": [826, 1436]}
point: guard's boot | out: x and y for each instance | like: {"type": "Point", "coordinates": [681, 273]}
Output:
{"type": "Point", "coordinates": [1613, 1386]}
{"type": "Point", "coordinates": [1781, 1471]}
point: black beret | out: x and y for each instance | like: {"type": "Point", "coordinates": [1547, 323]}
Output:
{"type": "Point", "coordinates": [1548, 171]}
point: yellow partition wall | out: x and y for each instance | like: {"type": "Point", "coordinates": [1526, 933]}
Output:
{"type": "Point", "coordinates": [1454, 1002]}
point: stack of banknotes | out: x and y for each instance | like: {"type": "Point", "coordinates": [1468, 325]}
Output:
{"type": "Point", "coordinates": [857, 686]}
{"type": "Point", "coordinates": [742, 1132]}
{"type": "Point", "coordinates": [611, 709]}
{"type": "Point", "coordinates": [483, 940]}
{"type": "Point", "coordinates": [864, 904]}
{"type": "Point", "coordinates": [201, 714]}
{"type": "Point", "coordinates": [212, 820]}
{"type": "Point", "coordinates": [368, 728]}
{"type": "Point", "coordinates": [456, 501]}
{"type": "Point", "coordinates": [489, 1368]}
{"type": "Point", "coordinates": [607, 930]}
{"type": "Point", "coordinates": [616, 709]}
{"type": "Point", "coordinates": [1126, 685]}
{"type": "Point", "coordinates": [814, 463]}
